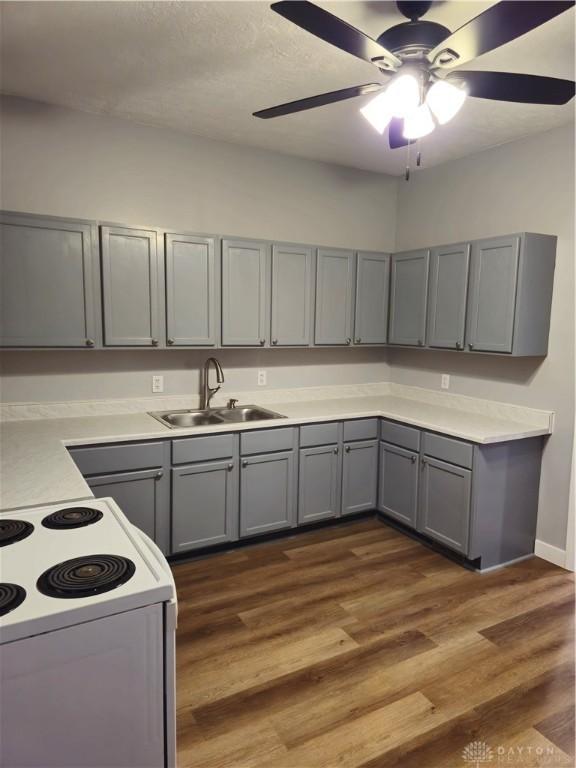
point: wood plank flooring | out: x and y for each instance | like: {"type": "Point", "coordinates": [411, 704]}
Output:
{"type": "Point", "coordinates": [356, 646]}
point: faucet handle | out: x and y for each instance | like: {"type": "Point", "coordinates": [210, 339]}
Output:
{"type": "Point", "coordinates": [232, 403]}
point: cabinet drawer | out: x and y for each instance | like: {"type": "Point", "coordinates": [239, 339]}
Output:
{"type": "Point", "coordinates": [448, 449]}
{"type": "Point", "coordinates": [267, 440]}
{"type": "Point", "coordinates": [202, 448]}
{"type": "Point", "coordinates": [361, 429]}
{"type": "Point", "coordinates": [103, 459]}
{"type": "Point", "coordinates": [319, 434]}
{"type": "Point", "coordinates": [406, 437]}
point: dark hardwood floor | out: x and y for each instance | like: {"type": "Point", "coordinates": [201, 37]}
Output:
{"type": "Point", "coordinates": [357, 646]}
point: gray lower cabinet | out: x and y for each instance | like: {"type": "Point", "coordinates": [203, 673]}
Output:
{"type": "Point", "coordinates": [319, 483]}
{"type": "Point", "coordinates": [132, 287]}
{"type": "Point", "coordinates": [372, 287]}
{"type": "Point", "coordinates": [292, 281]}
{"type": "Point", "coordinates": [444, 509]}
{"type": "Point", "coordinates": [143, 496]}
{"type": "Point", "coordinates": [359, 476]}
{"type": "Point", "coordinates": [447, 293]}
{"type": "Point", "coordinates": [267, 493]}
{"type": "Point", "coordinates": [204, 505]}
{"type": "Point", "coordinates": [191, 297]}
{"type": "Point", "coordinates": [245, 293]}
{"type": "Point", "coordinates": [49, 282]}
{"type": "Point", "coordinates": [408, 298]}
{"type": "Point", "coordinates": [398, 486]}
{"type": "Point", "coordinates": [334, 292]}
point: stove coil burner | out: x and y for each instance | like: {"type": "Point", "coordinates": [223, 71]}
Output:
{"type": "Point", "coordinates": [86, 576]}
{"type": "Point", "coordinates": [14, 530]}
{"type": "Point", "coordinates": [11, 595]}
{"type": "Point", "coordinates": [72, 517]}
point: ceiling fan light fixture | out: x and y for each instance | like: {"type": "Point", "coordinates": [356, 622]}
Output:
{"type": "Point", "coordinates": [377, 112]}
{"type": "Point", "coordinates": [418, 123]}
{"type": "Point", "coordinates": [445, 100]}
{"type": "Point", "coordinates": [403, 95]}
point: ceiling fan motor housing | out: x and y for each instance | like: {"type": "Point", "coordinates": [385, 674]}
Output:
{"type": "Point", "coordinates": [413, 38]}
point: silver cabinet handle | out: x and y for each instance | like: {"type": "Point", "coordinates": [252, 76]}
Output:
{"type": "Point", "coordinates": [155, 342]}
{"type": "Point", "coordinates": [420, 343]}
{"type": "Point", "coordinates": [274, 341]}
{"type": "Point", "coordinates": [348, 341]}
{"type": "Point", "coordinates": [358, 340]}
{"type": "Point", "coordinates": [159, 475]}
{"type": "Point", "coordinates": [230, 467]}
{"type": "Point", "coordinates": [347, 449]}
{"type": "Point", "coordinates": [335, 450]}
{"type": "Point", "coordinates": [244, 463]}
{"type": "Point", "coordinates": [470, 346]}
{"type": "Point", "coordinates": [423, 463]}
{"type": "Point", "coordinates": [170, 341]}
{"type": "Point", "coordinates": [262, 342]}
{"type": "Point", "coordinates": [458, 345]}
{"type": "Point", "coordinates": [90, 342]}
{"type": "Point", "coordinates": [413, 459]}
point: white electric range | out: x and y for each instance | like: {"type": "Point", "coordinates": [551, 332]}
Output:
{"type": "Point", "coordinates": [87, 627]}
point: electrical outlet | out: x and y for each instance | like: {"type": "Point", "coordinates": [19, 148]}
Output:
{"type": "Point", "coordinates": [445, 384]}
{"type": "Point", "coordinates": [157, 383]}
{"type": "Point", "coordinates": [262, 378]}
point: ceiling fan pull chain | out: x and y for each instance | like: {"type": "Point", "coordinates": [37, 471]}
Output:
{"type": "Point", "coordinates": [419, 159]}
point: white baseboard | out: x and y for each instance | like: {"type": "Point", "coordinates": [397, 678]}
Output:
{"type": "Point", "coordinates": [549, 552]}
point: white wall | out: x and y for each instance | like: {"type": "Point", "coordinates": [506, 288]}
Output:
{"type": "Point", "coordinates": [527, 185]}
{"type": "Point", "coordinates": [67, 163]}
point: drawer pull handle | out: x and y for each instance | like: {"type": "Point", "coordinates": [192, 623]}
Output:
{"type": "Point", "coordinates": [458, 345]}
{"type": "Point", "coordinates": [244, 463]}
{"type": "Point", "coordinates": [347, 449]}
{"type": "Point", "coordinates": [358, 340]}
{"type": "Point", "coordinates": [155, 342]}
{"type": "Point", "coordinates": [230, 467]}
{"type": "Point", "coordinates": [262, 342]}
{"type": "Point", "coordinates": [274, 341]}
{"type": "Point", "coordinates": [470, 346]}
{"type": "Point", "coordinates": [420, 343]}
{"type": "Point", "coordinates": [348, 341]}
{"type": "Point", "coordinates": [90, 342]}
{"type": "Point", "coordinates": [336, 450]}
{"type": "Point", "coordinates": [170, 341]}
{"type": "Point", "coordinates": [159, 475]}
{"type": "Point", "coordinates": [413, 459]}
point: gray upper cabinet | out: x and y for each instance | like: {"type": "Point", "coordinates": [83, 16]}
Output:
{"type": "Point", "coordinates": [408, 298]}
{"type": "Point", "coordinates": [292, 280]}
{"type": "Point", "coordinates": [49, 275]}
{"type": "Point", "coordinates": [492, 299]}
{"type": "Point", "coordinates": [510, 294]}
{"type": "Point", "coordinates": [204, 504]}
{"type": "Point", "coordinates": [267, 493]}
{"type": "Point", "coordinates": [132, 285]}
{"type": "Point", "coordinates": [372, 287]}
{"type": "Point", "coordinates": [191, 296]}
{"type": "Point", "coordinates": [334, 293]}
{"type": "Point", "coordinates": [359, 476]}
{"type": "Point", "coordinates": [448, 288]}
{"type": "Point", "coordinates": [245, 293]}
{"type": "Point", "coordinates": [398, 490]}
{"type": "Point", "coordinates": [444, 512]}
{"type": "Point", "coordinates": [319, 490]}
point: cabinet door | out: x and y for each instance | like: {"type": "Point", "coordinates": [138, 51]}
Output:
{"type": "Point", "coordinates": [291, 295]}
{"type": "Point", "coordinates": [445, 503]}
{"type": "Point", "coordinates": [398, 492]}
{"type": "Point", "coordinates": [244, 293]}
{"type": "Point", "coordinates": [447, 296]}
{"type": "Point", "coordinates": [372, 285]}
{"type": "Point", "coordinates": [319, 483]}
{"type": "Point", "coordinates": [190, 291]}
{"type": "Point", "coordinates": [132, 285]}
{"type": "Point", "coordinates": [359, 476]}
{"type": "Point", "coordinates": [138, 494]}
{"type": "Point", "coordinates": [334, 283]}
{"type": "Point", "coordinates": [492, 295]}
{"type": "Point", "coordinates": [48, 282]}
{"type": "Point", "coordinates": [267, 493]}
{"type": "Point", "coordinates": [408, 296]}
{"type": "Point", "coordinates": [204, 505]}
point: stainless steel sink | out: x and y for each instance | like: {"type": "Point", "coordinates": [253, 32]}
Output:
{"type": "Point", "coordinates": [186, 419]}
{"type": "Point", "coordinates": [244, 413]}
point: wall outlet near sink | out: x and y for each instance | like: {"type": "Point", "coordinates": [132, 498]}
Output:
{"type": "Point", "coordinates": [445, 381]}
{"type": "Point", "coordinates": [262, 378]}
{"type": "Point", "coordinates": [157, 384]}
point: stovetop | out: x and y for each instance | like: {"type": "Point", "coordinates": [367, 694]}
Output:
{"type": "Point", "coordinates": [69, 563]}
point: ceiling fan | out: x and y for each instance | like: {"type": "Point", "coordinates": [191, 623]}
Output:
{"type": "Point", "coordinates": [418, 56]}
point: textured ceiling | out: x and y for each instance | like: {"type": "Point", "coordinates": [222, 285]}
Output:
{"type": "Point", "coordinates": [204, 67]}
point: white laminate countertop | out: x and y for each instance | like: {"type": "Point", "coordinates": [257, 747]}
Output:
{"type": "Point", "coordinates": [36, 468]}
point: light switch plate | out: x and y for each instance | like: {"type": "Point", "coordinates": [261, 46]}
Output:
{"type": "Point", "coordinates": [445, 383]}
{"type": "Point", "coordinates": [262, 378]}
{"type": "Point", "coordinates": [157, 384]}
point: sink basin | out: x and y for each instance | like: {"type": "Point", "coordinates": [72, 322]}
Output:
{"type": "Point", "coordinates": [247, 413]}
{"type": "Point", "coordinates": [184, 419]}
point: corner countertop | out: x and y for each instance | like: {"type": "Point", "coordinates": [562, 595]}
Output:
{"type": "Point", "coordinates": [36, 468]}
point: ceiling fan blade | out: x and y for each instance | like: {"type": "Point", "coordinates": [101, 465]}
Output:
{"type": "Point", "coordinates": [523, 89]}
{"type": "Point", "coordinates": [333, 30]}
{"type": "Point", "coordinates": [318, 101]}
{"type": "Point", "coordinates": [503, 22]}
{"type": "Point", "coordinates": [396, 134]}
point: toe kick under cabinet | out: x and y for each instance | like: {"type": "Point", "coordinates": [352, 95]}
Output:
{"type": "Point", "coordinates": [478, 500]}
